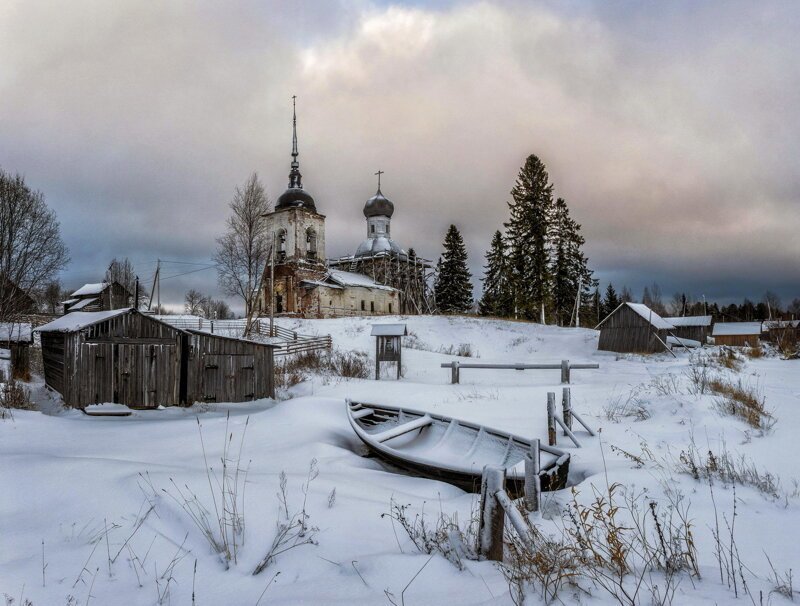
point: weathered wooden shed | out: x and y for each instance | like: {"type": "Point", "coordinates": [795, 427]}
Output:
{"type": "Point", "coordinates": [633, 328]}
{"type": "Point", "coordinates": [226, 369]}
{"type": "Point", "coordinates": [131, 358]}
{"type": "Point", "coordinates": [118, 356]}
{"type": "Point", "coordinates": [737, 334]}
{"type": "Point", "coordinates": [777, 331]}
{"type": "Point", "coordinates": [696, 328]}
{"type": "Point", "coordinates": [103, 296]}
{"type": "Point", "coordinates": [17, 337]}
{"type": "Point", "coordinates": [388, 346]}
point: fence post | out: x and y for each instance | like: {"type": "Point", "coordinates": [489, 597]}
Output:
{"type": "Point", "coordinates": [454, 378]}
{"type": "Point", "coordinates": [565, 371]}
{"type": "Point", "coordinates": [566, 407]}
{"type": "Point", "coordinates": [533, 483]}
{"type": "Point", "coordinates": [212, 327]}
{"type": "Point", "coordinates": [492, 521]}
{"type": "Point", "coordinates": [551, 418]}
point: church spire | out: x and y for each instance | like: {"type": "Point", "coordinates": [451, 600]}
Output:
{"type": "Point", "coordinates": [379, 173]}
{"type": "Point", "coordinates": [295, 178]}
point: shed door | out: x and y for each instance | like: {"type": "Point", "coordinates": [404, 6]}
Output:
{"type": "Point", "coordinates": [146, 375]}
{"type": "Point", "coordinates": [228, 378]}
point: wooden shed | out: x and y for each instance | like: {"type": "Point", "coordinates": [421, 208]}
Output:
{"type": "Point", "coordinates": [697, 328]}
{"type": "Point", "coordinates": [633, 328]}
{"type": "Point", "coordinates": [17, 337]}
{"type": "Point", "coordinates": [777, 331]}
{"type": "Point", "coordinates": [103, 296]}
{"type": "Point", "coordinates": [130, 358]}
{"type": "Point", "coordinates": [226, 369]}
{"type": "Point", "coordinates": [737, 334]}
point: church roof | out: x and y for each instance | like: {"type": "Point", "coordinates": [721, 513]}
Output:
{"type": "Point", "coordinates": [379, 245]}
{"type": "Point", "coordinates": [379, 206]}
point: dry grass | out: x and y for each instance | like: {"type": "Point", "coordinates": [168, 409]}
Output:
{"type": "Point", "coordinates": [755, 353]}
{"type": "Point", "coordinates": [14, 396]}
{"type": "Point", "coordinates": [291, 370]}
{"type": "Point", "coordinates": [726, 357]}
{"type": "Point", "coordinates": [743, 401]}
{"type": "Point", "coordinates": [620, 406]}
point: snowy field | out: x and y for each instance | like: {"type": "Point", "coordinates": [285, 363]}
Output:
{"type": "Point", "coordinates": [90, 508]}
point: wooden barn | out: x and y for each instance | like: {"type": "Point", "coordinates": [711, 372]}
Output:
{"type": "Point", "coordinates": [103, 296]}
{"type": "Point", "coordinates": [634, 328]}
{"type": "Point", "coordinates": [737, 334]}
{"type": "Point", "coordinates": [697, 328]}
{"type": "Point", "coordinates": [777, 331]}
{"type": "Point", "coordinates": [130, 358]}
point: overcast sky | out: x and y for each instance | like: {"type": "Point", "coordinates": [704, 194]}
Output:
{"type": "Point", "coordinates": [670, 127]}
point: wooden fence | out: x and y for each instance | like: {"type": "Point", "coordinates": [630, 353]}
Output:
{"type": "Point", "coordinates": [565, 367]}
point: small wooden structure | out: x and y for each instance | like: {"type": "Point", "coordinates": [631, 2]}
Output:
{"type": "Point", "coordinates": [778, 331]}
{"type": "Point", "coordinates": [18, 337]}
{"type": "Point", "coordinates": [634, 328]}
{"type": "Point", "coordinates": [388, 345]}
{"type": "Point", "coordinates": [696, 328]}
{"type": "Point", "coordinates": [737, 334]}
{"type": "Point", "coordinates": [127, 357]}
{"type": "Point", "coordinates": [103, 296]}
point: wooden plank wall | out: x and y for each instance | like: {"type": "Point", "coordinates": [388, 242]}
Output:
{"type": "Point", "coordinates": [222, 369]}
{"type": "Point", "coordinates": [698, 333]}
{"type": "Point", "coordinates": [737, 340]}
{"type": "Point", "coordinates": [53, 359]}
{"type": "Point", "coordinates": [627, 332]}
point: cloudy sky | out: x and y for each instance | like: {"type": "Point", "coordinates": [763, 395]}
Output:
{"type": "Point", "coordinates": [670, 128]}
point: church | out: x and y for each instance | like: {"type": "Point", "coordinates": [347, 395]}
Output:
{"type": "Point", "coordinates": [380, 278]}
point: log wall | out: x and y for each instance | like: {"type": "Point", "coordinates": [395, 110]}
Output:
{"type": "Point", "coordinates": [625, 331]}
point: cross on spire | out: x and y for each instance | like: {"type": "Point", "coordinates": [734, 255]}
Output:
{"type": "Point", "coordinates": [295, 179]}
{"type": "Point", "coordinates": [379, 173]}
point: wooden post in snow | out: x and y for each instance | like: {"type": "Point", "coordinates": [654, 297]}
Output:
{"type": "Point", "coordinates": [454, 378]}
{"type": "Point", "coordinates": [533, 483]}
{"type": "Point", "coordinates": [565, 371]}
{"type": "Point", "coordinates": [492, 521]}
{"type": "Point", "coordinates": [566, 407]}
{"type": "Point", "coordinates": [551, 418]}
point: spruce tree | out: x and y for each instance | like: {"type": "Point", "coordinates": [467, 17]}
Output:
{"type": "Point", "coordinates": [497, 296]}
{"type": "Point", "coordinates": [611, 300]}
{"type": "Point", "coordinates": [570, 270]}
{"type": "Point", "coordinates": [453, 288]}
{"type": "Point", "coordinates": [527, 234]}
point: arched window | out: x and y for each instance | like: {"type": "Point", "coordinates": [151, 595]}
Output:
{"type": "Point", "coordinates": [281, 245]}
{"type": "Point", "coordinates": [311, 243]}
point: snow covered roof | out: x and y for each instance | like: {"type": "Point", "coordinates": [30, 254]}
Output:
{"type": "Point", "coordinates": [724, 329]}
{"type": "Point", "coordinates": [16, 332]}
{"type": "Point", "coordinates": [82, 303]}
{"type": "Point", "coordinates": [76, 320]}
{"type": "Point", "coordinates": [690, 321]}
{"type": "Point", "coordinates": [781, 324]}
{"type": "Point", "coordinates": [645, 312]}
{"type": "Point", "coordinates": [89, 289]}
{"type": "Point", "coordinates": [380, 244]}
{"type": "Point", "coordinates": [70, 301]}
{"type": "Point", "coordinates": [389, 330]}
{"type": "Point", "coordinates": [348, 278]}
{"type": "Point", "coordinates": [323, 284]}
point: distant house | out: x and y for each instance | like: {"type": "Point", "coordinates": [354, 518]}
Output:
{"type": "Point", "coordinates": [696, 328]}
{"type": "Point", "coordinates": [777, 331]}
{"type": "Point", "coordinates": [341, 293]}
{"type": "Point", "coordinates": [737, 334]}
{"type": "Point", "coordinates": [130, 358]}
{"type": "Point", "coordinates": [102, 296]}
{"type": "Point", "coordinates": [14, 300]}
{"type": "Point", "coordinates": [634, 328]}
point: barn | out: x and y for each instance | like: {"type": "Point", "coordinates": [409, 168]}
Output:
{"type": "Point", "coordinates": [130, 358]}
{"type": "Point", "coordinates": [696, 328]}
{"type": "Point", "coordinates": [103, 296]}
{"type": "Point", "coordinates": [17, 337]}
{"type": "Point", "coordinates": [633, 328]}
{"type": "Point", "coordinates": [737, 334]}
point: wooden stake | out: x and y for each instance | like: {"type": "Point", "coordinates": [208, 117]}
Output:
{"type": "Point", "coordinates": [551, 418]}
{"type": "Point", "coordinates": [492, 521]}
{"type": "Point", "coordinates": [577, 417]}
{"type": "Point", "coordinates": [533, 483]}
{"type": "Point", "coordinates": [565, 371]}
{"type": "Point", "coordinates": [454, 378]}
{"type": "Point", "coordinates": [566, 407]}
{"type": "Point", "coordinates": [568, 432]}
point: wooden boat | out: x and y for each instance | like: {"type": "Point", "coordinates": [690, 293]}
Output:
{"type": "Point", "coordinates": [451, 450]}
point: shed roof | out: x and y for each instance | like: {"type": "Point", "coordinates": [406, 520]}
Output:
{"type": "Point", "coordinates": [90, 289]}
{"type": "Point", "coordinates": [645, 312]}
{"type": "Point", "coordinates": [724, 329]}
{"type": "Point", "coordinates": [77, 320]}
{"type": "Point", "coordinates": [82, 303]}
{"type": "Point", "coordinates": [389, 330]}
{"type": "Point", "coordinates": [781, 324]}
{"type": "Point", "coordinates": [208, 333]}
{"type": "Point", "coordinates": [16, 332]}
{"type": "Point", "coordinates": [690, 321]}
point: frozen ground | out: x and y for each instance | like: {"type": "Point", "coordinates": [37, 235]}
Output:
{"type": "Point", "coordinates": [70, 480]}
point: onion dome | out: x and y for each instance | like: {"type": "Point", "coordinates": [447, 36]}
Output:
{"type": "Point", "coordinates": [378, 206]}
{"type": "Point", "coordinates": [374, 246]}
{"type": "Point", "coordinates": [295, 195]}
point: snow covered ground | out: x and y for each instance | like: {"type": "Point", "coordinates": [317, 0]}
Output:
{"type": "Point", "coordinates": [90, 499]}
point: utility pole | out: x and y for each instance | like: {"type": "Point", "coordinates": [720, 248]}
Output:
{"type": "Point", "coordinates": [272, 288]}
{"type": "Point", "coordinates": [158, 274]}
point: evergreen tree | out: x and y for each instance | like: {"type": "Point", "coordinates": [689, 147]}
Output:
{"type": "Point", "coordinates": [570, 270]}
{"type": "Point", "coordinates": [597, 307]}
{"type": "Point", "coordinates": [527, 235]}
{"type": "Point", "coordinates": [497, 299]}
{"type": "Point", "coordinates": [453, 288]}
{"type": "Point", "coordinates": [611, 301]}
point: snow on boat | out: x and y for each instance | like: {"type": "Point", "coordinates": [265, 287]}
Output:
{"type": "Point", "coordinates": [108, 409]}
{"type": "Point", "coordinates": [451, 450]}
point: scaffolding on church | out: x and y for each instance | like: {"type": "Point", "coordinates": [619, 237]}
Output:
{"type": "Point", "coordinates": [408, 273]}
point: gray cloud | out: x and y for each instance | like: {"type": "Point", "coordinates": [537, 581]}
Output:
{"type": "Point", "coordinates": [668, 128]}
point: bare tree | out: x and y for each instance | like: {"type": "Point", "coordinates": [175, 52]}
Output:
{"type": "Point", "coordinates": [31, 248]}
{"type": "Point", "coordinates": [52, 295]}
{"type": "Point", "coordinates": [773, 303]}
{"type": "Point", "coordinates": [243, 250]}
{"type": "Point", "coordinates": [194, 301]}
{"type": "Point", "coordinates": [122, 272]}
{"type": "Point", "coordinates": [216, 309]}
{"type": "Point", "coordinates": [794, 307]}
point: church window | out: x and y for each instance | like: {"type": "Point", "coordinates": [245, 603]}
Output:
{"type": "Point", "coordinates": [372, 228]}
{"type": "Point", "coordinates": [363, 305]}
{"type": "Point", "coordinates": [281, 245]}
{"type": "Point", "coordinates": [390, 308]}
{"type": "Point", "coordinates": [372, 306]}
{"type": "Point", "coordinates": [311, 243]}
